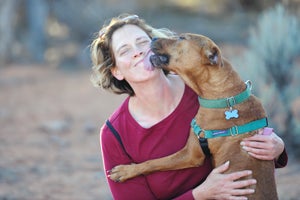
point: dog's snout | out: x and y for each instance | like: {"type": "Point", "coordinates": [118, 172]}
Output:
{"type": "Point", "coordinates": [154, 45]}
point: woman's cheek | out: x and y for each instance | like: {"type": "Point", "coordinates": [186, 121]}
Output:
{"type": "Point", "coordinates": [122, 63]}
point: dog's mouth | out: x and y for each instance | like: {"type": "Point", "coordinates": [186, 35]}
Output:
{"type": "Point", "coordinates": [159, 60]}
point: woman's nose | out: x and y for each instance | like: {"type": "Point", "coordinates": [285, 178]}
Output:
{"type": "Point", "coordinates": [138, 53]}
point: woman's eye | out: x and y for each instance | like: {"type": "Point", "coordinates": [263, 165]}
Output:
{"type": "Point", "coordinates": [124, 51]}
{"type": "Point", "coordinates": [144, 42]}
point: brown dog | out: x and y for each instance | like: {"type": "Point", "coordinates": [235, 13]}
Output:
{"type": "Point", "coordinates": [228, 113]}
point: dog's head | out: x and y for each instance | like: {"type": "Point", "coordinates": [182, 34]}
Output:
{"type": "Point", "coordinates": [186, 55]}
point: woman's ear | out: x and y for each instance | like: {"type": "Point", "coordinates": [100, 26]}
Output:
{"type": "Point", "coordinates": [116, 73]}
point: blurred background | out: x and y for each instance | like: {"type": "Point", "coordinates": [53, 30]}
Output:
{"type": "Point", "coordinates": [50, 114]}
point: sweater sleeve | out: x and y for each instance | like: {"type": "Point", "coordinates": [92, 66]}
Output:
{"type": "Point", "coordinates": [137, 188]}
{"type": "Point", "coordinates": [186, 196]}
{"type": "Point", "coordinates": [113, 155]}
{"type": "Point", "coordinates": [282, 160]}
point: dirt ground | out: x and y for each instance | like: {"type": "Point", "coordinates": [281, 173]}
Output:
{"type": "Point", "coordinates": [49, 142]}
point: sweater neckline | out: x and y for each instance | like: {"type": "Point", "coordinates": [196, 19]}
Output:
{"type": "Point", "coordinates": [161, 122]}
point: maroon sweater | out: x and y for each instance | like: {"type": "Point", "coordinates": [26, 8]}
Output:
{"type": "Point", "coordinates": [141, 144]}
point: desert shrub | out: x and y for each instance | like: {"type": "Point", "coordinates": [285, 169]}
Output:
{"type": "Point", "coordinates": [271, 60]}
{"type": "Point", "coordinates": [276, 42]}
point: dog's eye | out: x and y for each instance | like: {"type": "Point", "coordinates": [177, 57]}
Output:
{"type": "Point", "coordinates": [181, 38]}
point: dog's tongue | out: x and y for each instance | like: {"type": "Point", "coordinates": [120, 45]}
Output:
{"type": "Point", "coordinates": [148, 66]}
{"type": "Point", "coordinates": [147, 63]}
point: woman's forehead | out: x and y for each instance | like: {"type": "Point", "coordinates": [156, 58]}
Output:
{"type": "Point", "coordinates": [126, 34]}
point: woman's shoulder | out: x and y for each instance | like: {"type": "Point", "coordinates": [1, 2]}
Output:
{"type": "Point", "coordinates": [119, 112]}
{"type": "Point", "coordinates": [114, 119]}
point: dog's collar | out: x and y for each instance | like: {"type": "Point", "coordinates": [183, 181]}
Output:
{"type": "Point", "coordinates": [235, 130]}
{"type": "Point", "coordinates": [227, 102]}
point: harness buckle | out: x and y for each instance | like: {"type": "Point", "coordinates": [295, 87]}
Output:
{"type": "Point", "coordinates": [249, 84]}
{"type": "Point", "coordinates": [236, 131]}
{"type": "Point", "coordinates": [230, 101]}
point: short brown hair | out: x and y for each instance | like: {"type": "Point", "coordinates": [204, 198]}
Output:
{"type": "Point", "coordinates": [103, 58]}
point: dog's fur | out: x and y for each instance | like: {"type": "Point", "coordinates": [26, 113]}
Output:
{"type": "Point", "coordinates": [199, 62]}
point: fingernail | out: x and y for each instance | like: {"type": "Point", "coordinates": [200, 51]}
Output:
{"type": "Point", "coordinates": [242, 143]}
{"type": "Point", "coordinates": [267, 131]}
{"type": "Point", "coordinates": [245, 148]}
{"type": "Point", "coordinates": [249, 172]}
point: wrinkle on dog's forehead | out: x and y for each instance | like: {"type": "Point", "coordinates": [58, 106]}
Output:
{"type": "Point", "coordinates": [201, 40]}
{"type": "Point", "coordinates": [187, 52]}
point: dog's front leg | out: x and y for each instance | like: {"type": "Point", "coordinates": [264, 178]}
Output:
{"type": "Point", "coordinates": [191, 155]}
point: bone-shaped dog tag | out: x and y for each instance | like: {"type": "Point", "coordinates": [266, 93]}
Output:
{"type": "Point", "coordinates": [231, 114]}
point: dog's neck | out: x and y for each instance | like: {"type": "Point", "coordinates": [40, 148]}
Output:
{"type": "Point", "coordinates": [223, 83]}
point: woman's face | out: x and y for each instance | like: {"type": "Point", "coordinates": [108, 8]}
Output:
{"type": "Point", "coordinates": [131, 47]}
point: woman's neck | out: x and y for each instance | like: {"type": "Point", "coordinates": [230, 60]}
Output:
{"type": "Point", "coordinates": [155, 101]}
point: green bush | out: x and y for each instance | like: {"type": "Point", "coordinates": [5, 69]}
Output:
{"type": "Point", "coordinates": [270, 61]}
{"type": "Point", "coordinates": [276, 42]}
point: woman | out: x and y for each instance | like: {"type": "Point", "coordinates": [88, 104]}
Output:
{"type": "Point", "coordinates": [154, 121]}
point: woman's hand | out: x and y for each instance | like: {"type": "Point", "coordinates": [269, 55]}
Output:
{"type": "Point", "coordinates": [224, 186]}
{"type": "Point", "coordinates": [264, 146]}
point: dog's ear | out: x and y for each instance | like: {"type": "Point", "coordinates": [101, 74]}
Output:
{"type": "Point", "coordinates": [214, 56]}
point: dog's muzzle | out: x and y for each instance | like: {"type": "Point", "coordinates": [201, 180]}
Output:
{"type": "Point", "coordinates": [159, 60]}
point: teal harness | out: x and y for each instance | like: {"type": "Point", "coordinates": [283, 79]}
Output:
{"type": "Point", "coordinates": [229, 114]}
{"type": "Point", "coordinates": [235, 130]}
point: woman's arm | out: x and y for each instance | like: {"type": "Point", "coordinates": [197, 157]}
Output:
{"type": "Point", "coordinates": [224, 186]}
{"type": "Point", "coordinates": [112, 155]}
{"type": "Point", "coordinates": [221, 186]}
{"type": "Point", "coordinates": [266, 146]}
{"type": "Point", "coordinates": [217, 185]}
{"type": "Point", "coordinates": [135, 188]}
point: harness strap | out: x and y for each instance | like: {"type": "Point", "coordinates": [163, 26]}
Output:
{"type": "Point", "coordinates": [117, 135]}
{"type": "Point", "coordinates": [114, 131]}
{"type": "Point", "coordinates": [235, 130]}
{"type": "Point", "coordinates": [203, 141]}
{"type": "Point", "coordinates": [227, 102]}
{"type": "Point", "coordinates": [204, 146]}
